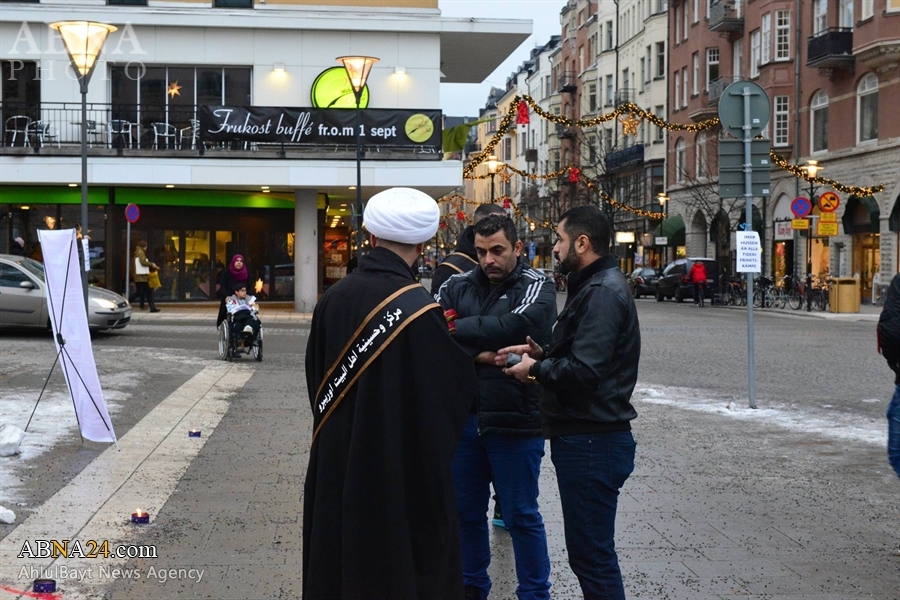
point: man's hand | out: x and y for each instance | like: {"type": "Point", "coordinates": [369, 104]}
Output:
{"type": "Point", "coordinates": [486, 357]}
{"type": "Point", "coordinates": [531, 348]}
{"type": "Point", "coordinates": [520, 371]}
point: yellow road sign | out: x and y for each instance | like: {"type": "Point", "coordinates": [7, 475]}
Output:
{"type": "Point", "coordinates": [828, 217]}
{"type": "Point", "coordinates": [827, 228]}
{"type": "Point", "coordinates": [799, 223]}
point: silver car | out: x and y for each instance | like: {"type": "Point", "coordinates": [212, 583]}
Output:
{"type": "Point", "coordinates": [23, 301]}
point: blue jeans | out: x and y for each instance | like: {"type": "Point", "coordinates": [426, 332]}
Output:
{"type": "Point", "coordinates": [514, 462]}
{"type": "Point", "coordinates": [893, 417]}
{"type": "Point", "coordinates": [590, 469]}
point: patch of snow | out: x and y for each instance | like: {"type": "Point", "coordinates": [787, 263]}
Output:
{"type": "Point", "coordinates": [7, 516]}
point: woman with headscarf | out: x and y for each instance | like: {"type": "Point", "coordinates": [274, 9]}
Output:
{"type": "Point", "coordinates": [229, 280]}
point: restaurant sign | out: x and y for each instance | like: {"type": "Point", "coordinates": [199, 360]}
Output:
{"type": "Point", "coordinates": [321, 126]}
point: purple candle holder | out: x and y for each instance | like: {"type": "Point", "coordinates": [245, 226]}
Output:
{"type": "Point", "coordinates": [140, 517]}
{"type": "Point", "coordinates": [44, 586]}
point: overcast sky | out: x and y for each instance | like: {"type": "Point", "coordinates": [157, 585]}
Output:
{"type": "Point", "coordinates": [465, 99]}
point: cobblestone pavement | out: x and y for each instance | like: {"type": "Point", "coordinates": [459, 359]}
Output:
{"type": "Point", "coordinates": [794, 501]}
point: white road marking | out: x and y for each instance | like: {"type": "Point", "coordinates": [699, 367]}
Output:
{"type": "Point", "coordinates": [97, 504]}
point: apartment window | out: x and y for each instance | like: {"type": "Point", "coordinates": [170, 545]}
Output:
{"type": "Point", "coordinates": [626, 79]}
{"type": "Point", "coordinates": [643, 73]}
{"type": "Point", "coordinates": [548, 81]}
{"type": "Point", "coordinates": [233, 3]}
{"type": "Point", "coordinates": [754, 53]}
{"type": "Point", "coordinates": [893, 5]}
{"type": "Point", "coordinates": [766, 50]}
{"type": "Point", "coordinates": [676, 97]}
{"type": "Point", "coordinates": [737, 59]}
{"type": "Point", "coordinates": [845, 14]}
{"type": "Point", "coordinates": [712, 65]}
{"type": "Point", "coordinates": [592, 97]}
{"type": "Point", "coordinates": [782, 121]}
{"type": "Point", "coordinates": [868, 9]}
{"type": "Point", "coordinates": [695, 87]}
{"type": "Point", "coordinates": [649, 62]}
{"type": "Point", "coordinates": [661, 114]}
{"type": "Point", "coordinates": [663, 5]}
{"type": "Point", "coordinates": [686, 25]}
{"type": "Point", "coordinates": [679, 161]}
{"type": "Point", "coordinates": [677, 24]}
{"type": "Point", "coordinates": [126, 2]}
{"type": "Point", "coordinates": [782, 35]}
{"type": "Point", "coordinates": [661, 58]}
{"type": "Point", "coordinates": [507, 149]}
{"type": "Point", "coordinates": [696, 10]}
{"type": "Point", "coordinates": [592, 149]}
{"type": "Point", "coordinates": [609, 36]}
{"type": "Point", "coordinates": [684, 89]}
{"type": "Point", "coordinates": [818, 109]}
{"type": "Point", "coordinates": [700, 156]}
{"type": "Point", "coordinates": [867, 108]}
{"type": "Point", "coordinates": [609, 90]}
{"type": "Point", "coordinates": [608, 139]}
{"type": "Point", "coordinates": [820, 15]}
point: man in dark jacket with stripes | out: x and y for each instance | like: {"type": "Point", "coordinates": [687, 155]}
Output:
{"type": "Point", "coordinates": [463, 258]}
{"type": "Point", "coordinates": [496, 305]}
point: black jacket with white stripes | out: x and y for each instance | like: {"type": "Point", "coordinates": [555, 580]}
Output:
{"type": "Point", "coordinates": [495, 315]}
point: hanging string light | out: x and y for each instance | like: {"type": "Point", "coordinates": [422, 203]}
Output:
{"type": "Point", "coordinates": [860, 191]}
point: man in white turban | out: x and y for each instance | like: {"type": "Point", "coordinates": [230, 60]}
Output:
{"type": "Point", "coordinates": [389, 391]}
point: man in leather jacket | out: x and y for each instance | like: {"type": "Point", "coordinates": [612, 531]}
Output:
{"type": "Point", "coordinates": [497, 303]}
{"type": "Point", "coordinates": [588, 373]}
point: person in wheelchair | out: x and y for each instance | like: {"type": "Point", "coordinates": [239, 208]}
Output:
{"type": "Point", "coordinates": [244, 312]}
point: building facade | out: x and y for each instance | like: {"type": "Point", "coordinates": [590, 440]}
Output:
{"type": "Point", "coordinates": [287, 205]}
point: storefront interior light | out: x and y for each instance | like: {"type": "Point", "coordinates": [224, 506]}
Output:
{"type": "Point", "coordinates": [624, 237]}
{"type": "Point", "coordinates": [266, 191]}
{"type": "Point", "coordinates": [25, 207]}
{"type": "Point", "coordinates": [170, 185]}
{"type": "Point", "coordinates": [352, 187]}
{"type": "Point", "coordinates": [265, 187]}
{"type": "Point", "coordinates": [73, 185]}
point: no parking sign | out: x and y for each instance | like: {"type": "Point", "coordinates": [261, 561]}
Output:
{"type": "Point", "coordinates": [132, 213]}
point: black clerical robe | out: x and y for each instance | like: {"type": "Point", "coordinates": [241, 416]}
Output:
{"type": "Point", "coordinates": [380, 518]}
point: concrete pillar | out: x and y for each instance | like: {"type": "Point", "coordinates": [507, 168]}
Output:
{"type": "Point", "coordinates": [306, 249]}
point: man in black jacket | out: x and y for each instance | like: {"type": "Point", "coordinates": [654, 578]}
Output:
{"type": "Point", "coordinates": [889, 346]}
{"type": "Point", "coordinates": [589, 371]}
{"type": "Point", "coordinates": [496, 304]}
{"type": "Point", "coordinates": [463, 258]}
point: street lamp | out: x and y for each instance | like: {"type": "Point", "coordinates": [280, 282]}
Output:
{"type": "Point", "coordinates": [664, 204]}
{"type": "Point", "coordinates": [812, 167]}
{"type": "Point", "coordinates": [83, 40]}
{"type": "Point", "coordinates": [493, 165]}
{"type": "Point", "coordinates": [358, 68]}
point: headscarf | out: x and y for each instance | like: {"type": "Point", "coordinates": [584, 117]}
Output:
{"type": "Point", "coordinates": [19, 241]}
{"type": "Point", "coordinates": [238, 274]}
{"type": "Point", "coordinates": [402, 215]}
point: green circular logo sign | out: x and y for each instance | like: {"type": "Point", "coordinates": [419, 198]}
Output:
{"type": "Point", "coordinates": [332, 89]}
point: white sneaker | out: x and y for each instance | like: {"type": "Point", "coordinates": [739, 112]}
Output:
{"type": "Point", "coordinates": [248, 329]}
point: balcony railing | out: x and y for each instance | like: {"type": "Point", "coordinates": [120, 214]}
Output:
{"type": "Point", "coordinates": [726, 15]}
{"type": "Point", "coordinates": [717, 87]}
{"type": "Point", "coordinates": [149, 130]}
{"type": "Point", "coordinates": [565, 132]}
{"type": "Point", "coordinates": [625, 157]}
{"type": "Point", "coordinates": [625, 95]}
{"type": "Point", "coordinates": [567, 83]}
{"type": "Point", "coordinates": [831, 47]}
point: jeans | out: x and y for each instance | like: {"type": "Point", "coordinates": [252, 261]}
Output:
{"type": "Point", "coordinates": [145, 293]}
{"type": "Point", "coordinates": [514, 462]}
{"type": "Point", "coordinates": [893, 417]}
{"type": "Point", "coordinates": [590, 469]}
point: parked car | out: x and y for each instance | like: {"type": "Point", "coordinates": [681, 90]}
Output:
{"type": "Point", "coordinates": [23, 301]}
{"type": "Point", "coordinates": [675, 279]}
{"type": "Point", "coordinates": [643, 281]}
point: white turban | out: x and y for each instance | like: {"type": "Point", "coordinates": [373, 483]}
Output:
{"type": "Point", "coordinates": [402, 215]}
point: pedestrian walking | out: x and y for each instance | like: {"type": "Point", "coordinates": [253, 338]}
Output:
{"type": "Point", "coordinates": [142, 268]}
{"type": "Point", "coordinates": [501, 300]}
{"type": "Point", "coordinates": [18, 247]}
{"type": "Point", "coordinates": [698, 278]}
{"type": "Point", "coordinates": [463, 258]}
{"type": "Point", "coordinates": [389, 391]}
{"type": "Point", "coordinates": [588, 373]}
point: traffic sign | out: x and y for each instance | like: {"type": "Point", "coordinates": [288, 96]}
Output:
{"type": "Point", "coordinates": [799, 223]}
{"type": "Point", "coordinates": [828, 217]}
{"type": "Point", "coordinates": [828, 202]}
{"type": "Point", "coordinates": [731, 168]}
{"type": "Point", "coordinates": [731, 108]}
{"type": "Point", "coordinates": [826, 228]}
{"type": "Point", "coordinates": [801, 207]}
{"type": "Point", "coordinates": [132, 213]}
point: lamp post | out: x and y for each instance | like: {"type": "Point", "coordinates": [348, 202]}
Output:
{"type": "Point", "coordinates": [812, 167]}
{"type": "Point", "coordinates": [664, 205]}
{"type": "Point", "coordinates": [358, 68]}
{"type": "Point", "coordinates": [493, 166]}
{"type": "Point", "coordinates": [83, 41]}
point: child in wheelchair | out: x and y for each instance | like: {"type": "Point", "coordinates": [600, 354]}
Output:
{"type": "Point", "coordinates": [243, 311]}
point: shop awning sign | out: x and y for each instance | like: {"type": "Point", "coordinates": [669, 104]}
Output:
{"type": "Point", "coordinates": [321, 126]}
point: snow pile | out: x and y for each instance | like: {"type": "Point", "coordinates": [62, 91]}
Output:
{"type": "Point", "coordinates": [10, 438]}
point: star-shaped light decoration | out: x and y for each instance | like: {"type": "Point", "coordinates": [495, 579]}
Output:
{"type": "Point", "coordinates": [174, 89]}
{"type": "Point", "coordinates": [630, 124]}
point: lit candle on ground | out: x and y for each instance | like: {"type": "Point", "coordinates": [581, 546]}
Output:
{"type": "Point", "coordinates": [140, 517]}
{"type": "Point", "coordinates": [44, 586]}
{"type": "Point", "coordinates": [194, 433]}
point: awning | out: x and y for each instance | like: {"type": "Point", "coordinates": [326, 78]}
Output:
{"type": "Point", "coordinates": [672, 229]}
{"type": "Point", "coordinates": [861, 215]}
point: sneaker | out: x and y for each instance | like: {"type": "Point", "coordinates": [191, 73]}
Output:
{"type": "Point", "coordinates": [248, 329]}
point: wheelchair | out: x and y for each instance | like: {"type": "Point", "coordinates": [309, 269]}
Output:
{"type": "Point", "coordinates": [235, 343]}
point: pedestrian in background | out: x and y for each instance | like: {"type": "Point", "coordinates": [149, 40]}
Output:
{"type": "Point", "coordinates": [500, 301]}
{"type": "Point", "coordinates": [18, 247]}
{"type": "Point", "coordinates": [142, 268]}
{"type": "Point", "coordinates": [698, 278]}
{"type": "Point", "coordinates": [588, 372]}
{"type": "Point", "coordinates": [463, 258]}
{"type": "Point", "coordinates": [389, 390]}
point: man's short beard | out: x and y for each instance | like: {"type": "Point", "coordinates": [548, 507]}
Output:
{"type": "Point", "coordinates": [570, 262]}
